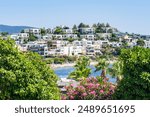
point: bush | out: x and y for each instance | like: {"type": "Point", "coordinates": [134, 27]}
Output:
{"type": "Point", "coordinates": [59, 60]}
{"type": "Point", "coordinates": [136, 71]}
{"type": "Point", "coordinates": [49, 61]}
{"type": "Point", "coordinates": [24, 76]}
{"type": "Point", "coordinates": [90, 89]}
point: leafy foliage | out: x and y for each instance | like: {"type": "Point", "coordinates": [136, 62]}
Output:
{"type": "Point", "coordinates": [32, 37]}
{"type": "Point", "coordinates": [102, 65]}
{"type": "Point", "coordinates": [140, 42]}
{"type": "Point", "coordinates": [43, 31]}
{"type": "Point", "coordinates": [136, 71]}
{"type": "Point", "coordinates": [116, 71]}
{"type": "Point", "coordinates": [82, 25]}
{"type": "Point", "coordinates": [24, 75]}
{"type": "Point", "coordinates": [81, 69]}
{"type": "Point", "coordinates": [58, 30]}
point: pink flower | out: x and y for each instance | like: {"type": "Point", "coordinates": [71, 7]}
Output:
{"type": "Point", "coordinates": [84, 94]}
{"type": "Point", "coordinates": [90, 85]}
{"type": "Point", "coordinates": [63, 97]}
{"type": "Point", "coordinates": [97, 85]}
{"type": "Point", "coordinates": [71, 97]}
{"type": "Point", "coordinates": [93, 92]}
{"type": "Point", "coordinates": [72, 85]}
{"type": "Point", "coordinates": [88, 79]}
{"type": "Point", "coordinates": [80, 88]}
{"type": "Point", "coordinates": [112, 87]}
{"type": "Point", "coordinates": [71, 91]}
{"type": "Point", "coordinates": [101, 91]}
{"type": "Point", "coordinates": [75, 92]}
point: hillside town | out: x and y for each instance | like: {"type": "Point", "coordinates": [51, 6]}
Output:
{"type": "Point", "coordinates": [76, 41]}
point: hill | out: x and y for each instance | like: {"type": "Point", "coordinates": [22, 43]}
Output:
{"type": "Point", "coordinates": [12, 29]}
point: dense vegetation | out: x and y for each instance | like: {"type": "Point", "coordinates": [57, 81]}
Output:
{"type": "Point", "coordinates": [136, 71]}
{"type": "Point", "coordinates": [60, 59]}
{"type": "Point", "coordinates": [24, 75]}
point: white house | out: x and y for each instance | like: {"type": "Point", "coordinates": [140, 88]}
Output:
{"type": "Point", "coordinates": [104, 35]}
{"type": "Point", "coordinates": [23, 35]}
{"type": "Point", "coordinates": [74, 36]}
{"type": "Point", "coordinates": [87, 42]}
{"type": "Point", "coordinates": [35, 31]}
{"type": "Point", "coordinates": [47, 37]}
{"type": "Point", "coordinates": [115, 44]}
{"type": "Point", "coordinates": [77, 43]}
{"type": "Point", "coordinates": [88, 36]}
{"type": "Point", "coordinates": [14, 36]}
{"type": "Point", "coordinates": [86, 30]}
{"type": "Point", "coordinates": [90, 51]}
{"type": "Point", "coordinates": [68, 31]}
{"type": "Point", "coordinates": [147, 43]}
{"type": "Point", "coordinates": [77, 50]}
{"type": "Point", "coordinates": [58, 36]}
{"type": "Point", "coordinates": [62, 51]}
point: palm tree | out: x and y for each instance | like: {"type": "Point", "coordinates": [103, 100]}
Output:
{"type": "Point", "coordinates": [116, 70]}
{"type": "Point", "coordinates": [102, 65]}
{"type": "Point", "coordinates": [81, 69]}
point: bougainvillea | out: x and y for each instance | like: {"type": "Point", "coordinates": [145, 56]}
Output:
{"type": "Point", "coordinates": [90, 89]}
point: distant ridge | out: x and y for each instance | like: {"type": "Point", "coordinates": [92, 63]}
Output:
{"type": "Point", "coordinates": [12, 29]}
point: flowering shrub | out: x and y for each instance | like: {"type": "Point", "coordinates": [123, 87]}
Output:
{"type": "Point", "coordinates": [90, 89]}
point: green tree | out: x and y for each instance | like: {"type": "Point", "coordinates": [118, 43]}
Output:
{"type": "Point", "coordinates": [116, 71]}
{"type": "Point", "coordinates": [70, 40]}
{"type": "Point", "coordinates": [81, 69]}
{"type": "Point", "coordinates": [94, 26]}
{"type": "Point", "coordinates": [32, 37]}
{"type": "Point", "coordinates": [58, 60]}
{"type": "Point", "coordinates": [75, 30]}
{"type": "Point", "coordinates": [43, 31]}
{"type": "Point", "coordinates": [107, 25]}
{"type": "Point", "coordinates": [140, 42]}
{"type": "Point", "coordinates": [22, 31]}
{"type": "Point", "coordinates": [58, 30]}
{"type": "Point", "coordinates": [24, 76]}
{"type": "Point", "coordinates": [4, 33]}
{"type": "Point", "coordinates": [102, 65]}
{"type": "Point", "coordinates": [136, 74]}
{"type": "Point", "coordinates": [49, 43]}
{"type": "Point", "coordinates": [124, 44]}
{"type": "Point", "coordinates": [82, 25]}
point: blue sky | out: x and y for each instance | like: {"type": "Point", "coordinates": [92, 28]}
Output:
{"type": "Point", "coordinates": [126, 15]}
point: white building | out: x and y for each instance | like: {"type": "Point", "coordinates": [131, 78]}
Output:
{"type": "Point", "coordinates": [58, 36]}
{"type": "Point", "coordinates": [76, 50]}
{"type": "Point", "coordinates": [77, 43]}
{"type": "Point", "coordinates": [14, 36]}
{"type": "Point", "coordinates": [115, 44]}
{"type": "Point", "coordinates": [74, 36]}
{"type": "Point", "coordinates": [23, 35]}
{"type": "Point", "coordinates": [88, 36]}
{"type": "Point", "coordinates": [147, 43]}
{"type": "Point", "coordinates": [62, 51]}
{"type": "Point", "coordinates": [104, 35]}
{"type": "Point", "coordinates": [68, 31]}
{"type": "Point", "coordinates": [47, 37]}
{"type": "Point", "coordinates": [86, 30]}
{"type": "Point", "coordinates": [35, 31]}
